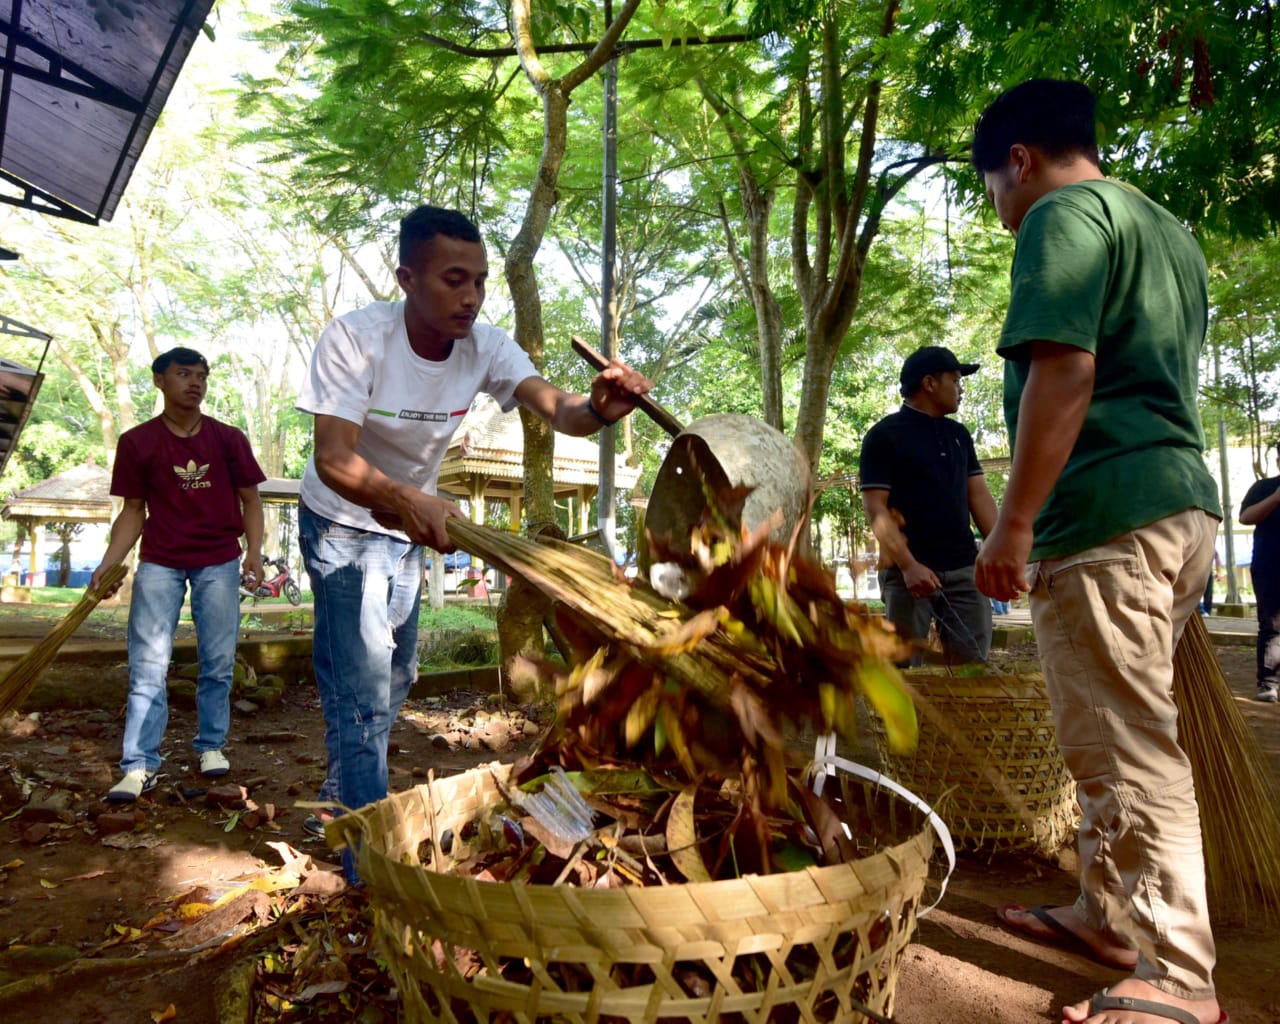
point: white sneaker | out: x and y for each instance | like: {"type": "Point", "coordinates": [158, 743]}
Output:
{"type": "Point", "coordinates": [1268, 693]}
{"type": "Point", "coordinates": [213, 763]}
{"type": "Point", "coordinates": [136, 781]}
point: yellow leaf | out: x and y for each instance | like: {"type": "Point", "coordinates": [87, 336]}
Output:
{"type": "Point", "coordinates": [673, 735]}
{"type": "Point", "coordinates": [48, 884]}
{"type": "Point", "coordinates": [170, 1012]}
{"type": "Point", "coordinates": [827, 702]}
{"type": "Point", "coordinates": [127, 933]}
{"type": "Point", "coordinates": [640, 715]}
{"type": "Point", "coordinates": [275, 882]}
{"type": "Point", "coordinates": [192, 911]}
{"type": "Point", "coordinates": [229, 895]}
{"type": "Point", "coordinates": [682, 838]}
{"type": "Point", "coordinates": [13, 865]}
{"type": "Point", "coordinates": [882, 686]}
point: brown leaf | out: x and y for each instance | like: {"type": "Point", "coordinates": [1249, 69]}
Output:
{"type": "Point", "coordinates": [836, 846]}
{"type": "Point", "coordinates": [682, 838]}
{"type": "Point", "coordinates": [251, 903]}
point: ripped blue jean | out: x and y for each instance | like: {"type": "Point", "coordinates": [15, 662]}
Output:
{"type": "Point", "coordinates": [158, 593]}
{"type": "Point", "coordinates": [367, 589]}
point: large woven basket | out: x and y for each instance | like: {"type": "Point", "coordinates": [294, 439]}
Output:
{"type": "Point", "coordinates": [987, 761]}
{"type": "Point", "coordinates": [823, 941]}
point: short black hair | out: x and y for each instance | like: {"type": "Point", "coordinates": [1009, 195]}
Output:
{"type": "Point", "coordinates": [1053, 115]}
{"type": "Point", "coordinates": [423, 223]}
{"type": "Point", "coordinates": [181, 357]}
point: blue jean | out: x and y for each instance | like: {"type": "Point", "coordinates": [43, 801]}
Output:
{"type": "Point", "coordinates": [153, 618]}
{"type": "Point", "coordinates": [367, 589]}
{"type": "Point", "coordinates": [962, 613]}
{"type": "Point", "coordinates": [1266, 588]}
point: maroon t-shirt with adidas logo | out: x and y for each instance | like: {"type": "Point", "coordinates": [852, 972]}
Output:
{"type": "Point", "coordinates": [194, 518]}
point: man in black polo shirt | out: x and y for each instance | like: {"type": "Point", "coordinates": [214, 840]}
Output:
{"type": "Point", "coordinates": [1261, 508]}
{"type": "Point", "coordinates": [921, 485]}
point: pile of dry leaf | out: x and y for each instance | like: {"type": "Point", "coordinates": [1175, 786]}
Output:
{"type": "Point", "coordinates": [674, 716]}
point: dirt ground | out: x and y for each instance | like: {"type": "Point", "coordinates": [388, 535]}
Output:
{"type": "Point", "coordinates": [70, 893]}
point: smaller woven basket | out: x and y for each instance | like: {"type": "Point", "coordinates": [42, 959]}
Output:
{"type": "Point", "coordinates": [987, 761]}
{"type": "Point", "coordinates": [819, 942]}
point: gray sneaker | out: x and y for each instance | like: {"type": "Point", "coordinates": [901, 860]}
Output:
{"type": "Point", "coordinates": [1268, 693]}
{"type": "Point", "coordinates": [136, 781]}
{"type": "Point", "coordinates": [314, 824]}
{"type": "Point", "coordinates": [214, 764]}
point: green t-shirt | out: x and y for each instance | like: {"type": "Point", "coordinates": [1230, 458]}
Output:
{"type": "Point", "coordinates": [1101, 267]}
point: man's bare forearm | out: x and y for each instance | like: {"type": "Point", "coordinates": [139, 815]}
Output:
{"type": "Point", "coordinates": [1260, 510]}
{"type": "Point", "coordinates": [1050, 416]}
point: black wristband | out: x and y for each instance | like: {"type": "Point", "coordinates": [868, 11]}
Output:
{"type": "Point", "coordinates": [591, 408]}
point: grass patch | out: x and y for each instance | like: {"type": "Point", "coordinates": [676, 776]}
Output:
{"type": "Point", "coordinates": [456, 637]}
{"type": "Point", "coordinates": [56, 595]}
{"type": "Point", "coordinates": [453, 619]}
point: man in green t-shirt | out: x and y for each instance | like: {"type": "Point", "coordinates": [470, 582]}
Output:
{"type": "Point", "coordinates": [1108, 523]}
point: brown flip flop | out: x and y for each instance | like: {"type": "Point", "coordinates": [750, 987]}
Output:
{"type": "Point", "coordinates": [1062, 938]}
{"type": "Point", "coordinates": [1104, 1001]}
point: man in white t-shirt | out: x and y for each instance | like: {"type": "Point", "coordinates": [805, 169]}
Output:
{"type": "Point", "coordinates": [388, 385]}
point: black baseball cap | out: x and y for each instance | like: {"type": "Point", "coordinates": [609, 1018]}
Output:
{"type": "Point", "coordinates": [930, 360]}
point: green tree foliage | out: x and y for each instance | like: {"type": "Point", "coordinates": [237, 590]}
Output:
{"type": "Point", "coordinates": [1243, 375]}
{"type": "Point", "coordinates": [1187, 99]}
{"type": "Point", "coordinates": [373, 105]}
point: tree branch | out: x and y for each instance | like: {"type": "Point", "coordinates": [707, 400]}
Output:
{"type": "Point", "coordinates": [618, 50]}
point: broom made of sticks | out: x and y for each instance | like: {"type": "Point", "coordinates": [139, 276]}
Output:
{"type": "Point", "coordinates": [27, 670]}
{"type": "Point", "coordinates": [1239, 804]}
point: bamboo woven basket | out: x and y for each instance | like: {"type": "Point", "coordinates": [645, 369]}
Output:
{"type": "Point", "coordinates": [987, 761]}
{"type": "Point", "coordinates": [627, 954]}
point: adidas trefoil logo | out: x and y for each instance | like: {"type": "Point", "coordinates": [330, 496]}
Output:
{"type": "Point", "coordinates": [193, 475]}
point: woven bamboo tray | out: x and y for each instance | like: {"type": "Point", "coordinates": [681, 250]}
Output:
{"type": "Point", "coordinates": [987, 761]}
{"type": "Point", "coordinates": [820, 939]}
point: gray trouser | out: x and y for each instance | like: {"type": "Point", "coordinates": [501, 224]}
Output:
{"type": "Point", "coordinates": [963, 615]}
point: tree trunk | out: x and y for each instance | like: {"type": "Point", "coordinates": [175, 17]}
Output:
{"type": "Point", "coordinates": [753, 271]}
{"type": "Point", "coordinates": [520, 617]}
{"type": "Point", "coordinates": [846, 218]}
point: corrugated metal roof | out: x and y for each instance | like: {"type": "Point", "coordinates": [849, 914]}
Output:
{"type": "Point", "coordinates": [81, 86]}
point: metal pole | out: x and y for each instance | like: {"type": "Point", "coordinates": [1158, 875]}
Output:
{"type": "Point", "coordinates": [1233, 594]}
{"type": "Point", "coordinates": [605, 498]}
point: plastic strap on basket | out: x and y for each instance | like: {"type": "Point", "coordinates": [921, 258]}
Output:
{"type": "Point", "coordinates": [826, 759]}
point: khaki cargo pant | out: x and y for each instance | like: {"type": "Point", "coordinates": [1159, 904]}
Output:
{"type": "Point", "coordinates": [1106, 622]}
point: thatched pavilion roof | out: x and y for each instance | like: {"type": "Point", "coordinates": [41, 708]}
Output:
{"type": "Point", "coordinates": [77, 495]}
{"type": "Point", "coordinates": [487, 451]}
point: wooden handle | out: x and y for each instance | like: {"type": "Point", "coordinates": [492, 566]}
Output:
{"type": "Point", "coordinates": [655, 412]}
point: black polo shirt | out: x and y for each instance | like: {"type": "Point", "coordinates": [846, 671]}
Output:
{"type": "Point", "coordinates": [1266, 534]}
{"type": "Point", "coordinates": [925, 462]}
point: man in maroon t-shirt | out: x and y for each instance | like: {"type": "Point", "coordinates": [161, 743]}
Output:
{"type": "Point", "coordinates": [190, 489]}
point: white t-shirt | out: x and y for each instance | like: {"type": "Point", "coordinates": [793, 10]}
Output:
{"type": "Point", "coordinates": [407, 407]}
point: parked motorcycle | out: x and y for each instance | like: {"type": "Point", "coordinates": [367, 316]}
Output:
{"type": "Point", "coordinates": [281, 583]}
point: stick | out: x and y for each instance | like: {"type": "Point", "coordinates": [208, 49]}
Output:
{"type": "Point", "coordinates": [27, 670]}
{"type": "Point", "coordinates": [657, 413]}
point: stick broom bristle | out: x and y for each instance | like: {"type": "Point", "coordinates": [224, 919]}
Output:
{"type": "Point", "coordinates": [27, 670]}
{"type": "Point", "coordinates": [1235, 787]}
